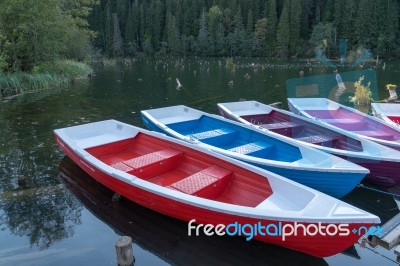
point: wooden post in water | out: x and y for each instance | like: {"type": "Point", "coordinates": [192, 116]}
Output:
{"type": "Point", "coordinates": [123, 247]}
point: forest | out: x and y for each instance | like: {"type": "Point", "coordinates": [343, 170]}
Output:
{"type": "Point", "coordinates": [35, 34]}
{"type": "Point", "coordinates": [269, 28]}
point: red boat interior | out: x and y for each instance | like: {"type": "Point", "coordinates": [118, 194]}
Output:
{"type": "Point", "coordinates": [288, 126]}
{"type": "Point", "coordinates": [395, 119]}
{"type": "Point", "coordinates": [183, 169]}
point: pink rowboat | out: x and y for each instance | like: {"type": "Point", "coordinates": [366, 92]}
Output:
{"type": "Point", "coordinates": [347, 118]}
{"type": "Point", "coordinates": [187, 182]}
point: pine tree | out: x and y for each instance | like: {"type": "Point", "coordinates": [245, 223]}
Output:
{"type": "Point", "coordinates": [364, 30]}
{"type": "Point", "coordinates": [203, 34]}
{"type": "Point", "coordinates": [389, 24]}
{"type": "Point", "coordinates": [118, 49]}
{"type": "Point", "coordinates": [250, 22]}
{"type": "Point", "coordinates": [282, 32]}
{"type": "Point", "coordinates": [173, 36]}
{"type": "Point", "coordinates": [236, 39]}
{"type": "Point", "coordinates": [272, 23]}
{"type": "Point", "coordinates": [108, 30]}
{"type": "Point", "coordinates": [294, 25]}
{"type": "Point", "coordinates": [343, 19]}
{"type": "Point", "coordinates": [214, 27]}
{"type": "Point", "coordinates": [157, 23]}
{"type": "Point", "coordinates": [260, 36]}
{"type": "Point", "coordinates": [130, 34]}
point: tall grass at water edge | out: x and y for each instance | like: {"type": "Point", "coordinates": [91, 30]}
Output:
{"type": "Point", "coordinates": [46, 76]}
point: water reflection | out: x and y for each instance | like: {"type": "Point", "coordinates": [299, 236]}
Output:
{"type": "Point", "coordinates": [41, 209]}
{"type": "Point", "coordinates": [168, 237]}
{"type": "Point", "coordinates": [45, 213]}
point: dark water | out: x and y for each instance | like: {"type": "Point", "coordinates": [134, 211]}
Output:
{"type": "Point", "coordinates": [63, 217]}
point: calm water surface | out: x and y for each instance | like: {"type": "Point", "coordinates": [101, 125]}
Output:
{"type": "Point", "coordinates": [63, 217]}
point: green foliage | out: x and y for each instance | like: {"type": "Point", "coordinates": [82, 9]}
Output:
{"type": "Point", "coordinates": [229, 28]}
{"type": "Point", "coordinates": [322, 38]}
{"type": "Point", "coordinates": [283, 32]}
{"type": "Point", "coordinates": [38, 31]}
{"type": "Point", "coordinates": [18, 83]}
{"type": "Point", "coordinates": [229, 65]}
{"type": "Point", "coordinates": [261, 35]}
{"type": "Point", "coordinates": [294, 23]}
{"type": "Point", "coordinates": [362, 95]}
{"type": "Point", "coordinates": [44, 76]}
{"type": "Point", "coordinates": [66, 68]}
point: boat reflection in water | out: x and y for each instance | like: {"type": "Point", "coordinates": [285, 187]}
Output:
{"type": "Point", "coordinates": [168, 238]}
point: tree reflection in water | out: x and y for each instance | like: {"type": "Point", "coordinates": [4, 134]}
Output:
{"type": "Point", "coordinates": [42, 209]}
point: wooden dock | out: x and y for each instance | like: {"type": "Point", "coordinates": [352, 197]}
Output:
{"type": "Point", "coordinates": [390, 236]}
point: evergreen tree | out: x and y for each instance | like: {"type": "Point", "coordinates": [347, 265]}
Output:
{"type": "Point", "coordinates": [214, 29]}
{"type": "Point", "coordinates": [294, 24]}
{"type": "Point", "coordinates": [203, 34]}
{"type": "Point", "coordinates": [282, 32]}
{"type": "Point", "coordinates": [272, 24]}
{"type": "Point", "coordinates": [344, 16]}
{"type": "Point", "coordinates": [173, 36]}
{"type": "Point", "coordinates": [108, 31]}
{"type": "Point", "coordinates": [250, 22]}
{"type": "Point", "coordinates": [322, 38]}
{"type": "Point", "coordinates": [364, 28]}
{"type": "Point", "coordinates": [118, 49]}
{"type": "Point", "coordinates": [261, 36]}
{"type": "Point", "coordinates": [157, 22]}
{"type": "Point", "coordinates": [386, 43]}
{"type": "Point", "coordinates": [236, 39]}
{"type": "Point", "coordinates": [144, 25]}
{"type": "Point", "coordinates": [306, 18]}
{"type": "Point", "coordinates": [130, 34]}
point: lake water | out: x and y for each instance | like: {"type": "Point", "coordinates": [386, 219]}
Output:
{"type": "Point", "coordinates": [61, 216]}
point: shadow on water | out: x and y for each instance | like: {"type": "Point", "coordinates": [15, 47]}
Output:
{"type": "Point", "coordinates": [167, 237]}
{"type": "Point", "coordinates": [374, 200]}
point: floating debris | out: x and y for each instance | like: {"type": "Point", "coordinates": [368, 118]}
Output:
{"type": "Point", "coordinates": [179, 84]}
{"type": "Point", "coordinates": [22, 180]}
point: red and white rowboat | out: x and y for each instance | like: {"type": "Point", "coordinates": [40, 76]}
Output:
{"type": "Point", "coordinates": [388, 112]}
{"type": "Point", "coordinates": [188, 182]}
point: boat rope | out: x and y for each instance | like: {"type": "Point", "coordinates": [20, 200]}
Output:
{"type": "Point", "coordinates": [377, 190]}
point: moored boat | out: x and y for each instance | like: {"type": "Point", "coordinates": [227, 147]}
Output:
{"type": "Point", "coordinates": [347, 118]}
{"type": "Point", "coordinates": [187, 183]}
{"type": "Point", "coordinates": [388, 112]}
{"type": "Point", "coordinates": [268, 150]}
{"type": "Point", "coordinates": [379, 159]}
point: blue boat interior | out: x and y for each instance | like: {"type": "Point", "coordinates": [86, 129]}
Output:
{"type": "Point", "coordinates": [238, 139]}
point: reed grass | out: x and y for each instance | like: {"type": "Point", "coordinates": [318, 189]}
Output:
{"type": "Point", "coordinates": [362, 95]}
{"type": "Point", "coordinates": [44, 76]}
